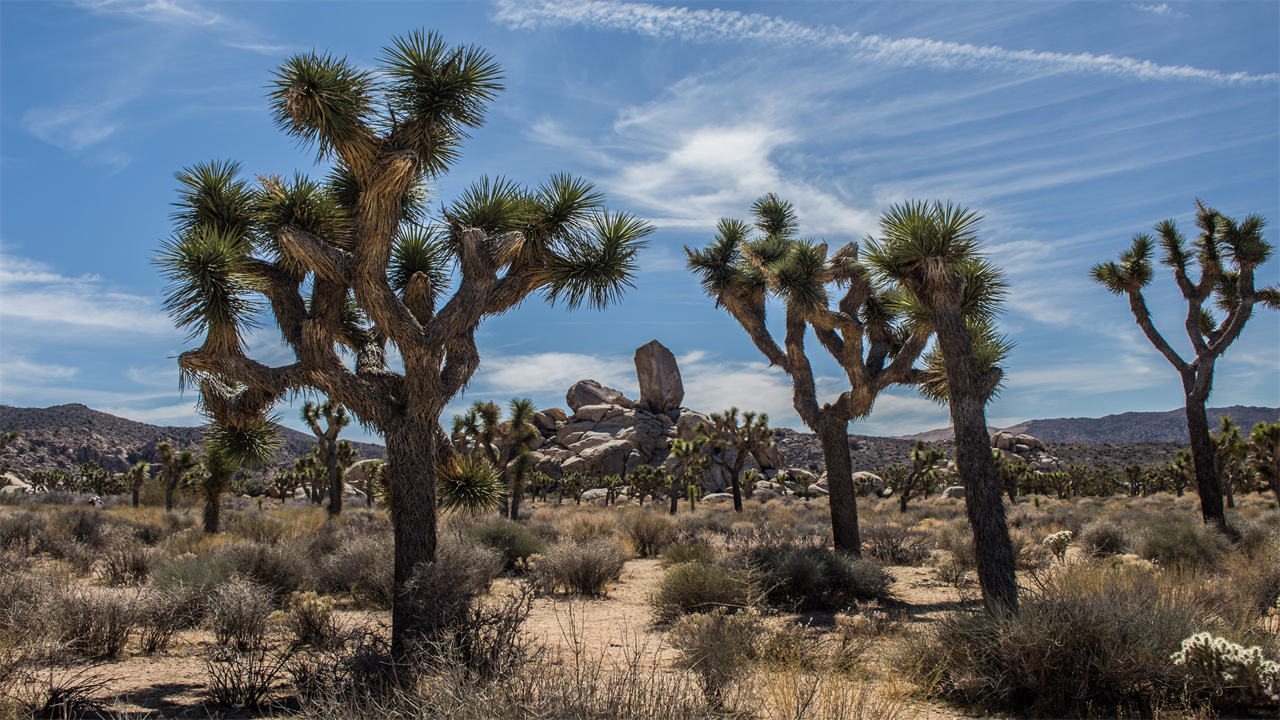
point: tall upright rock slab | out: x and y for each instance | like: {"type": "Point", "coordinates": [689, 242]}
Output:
{"type": "Point", "coordinates": [660, 385]}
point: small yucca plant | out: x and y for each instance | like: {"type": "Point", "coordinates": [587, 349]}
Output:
{"type": "Point", "coordinates": [468, 483]}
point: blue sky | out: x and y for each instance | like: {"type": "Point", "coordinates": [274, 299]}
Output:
{"type": "Point", "coordinates": [1068, 126]}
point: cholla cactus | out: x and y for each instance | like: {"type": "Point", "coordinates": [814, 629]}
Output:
{"type": "Point", "coordinates": [1058, 542]}
{"type": "Point", "coordinates": [1226, 665]}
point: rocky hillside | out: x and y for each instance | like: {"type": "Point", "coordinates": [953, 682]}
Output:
{"type": "Point", "coordinates": [872, 453]}
{"type": "Point", "coordinates": [64, 436]}
{"type": "Point", "coordinates": [1131, 427]}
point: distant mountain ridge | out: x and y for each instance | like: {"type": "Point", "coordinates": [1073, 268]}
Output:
{"type": "Point", "coordinates": [1130, 427]}
{"type": "Point", "coordinates": [64, 436]}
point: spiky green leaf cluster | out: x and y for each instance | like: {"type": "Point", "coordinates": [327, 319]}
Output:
{"type": "Point", "coordinates": [251, 443]}
{"type": "Point", "coordinates": [990, 350]}
{"type": "Point", "coordinates": [210, 286]}
{"type": "Point", "coordinates": [322, 99]}
{"type": "Point", "coordinates": [468, 483]}
{"type": "Point", "coordinates": [918, 239]}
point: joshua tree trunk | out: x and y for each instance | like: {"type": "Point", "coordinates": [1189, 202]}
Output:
{"type": "Point", "coordinates": [517, 494]}
{"type": "Point", "coordinates": [967, 395]}
{"type": "Point", "coordinates": [335, 490]}
{"type": "Point", "coordinates": [212, 514]}
{"type": "Point", "coordinates": [411, 468]}
{"type": "Point", "coordinates": [169, 487]}
{"type": "Point", "coordinates": [834, 436]}
{"type": "Point", "coordinates": [136, 495]}
{"type": "Point", "coordinates": [676, 482]}
{"type": "Point", "coordinates": [1207, 485]}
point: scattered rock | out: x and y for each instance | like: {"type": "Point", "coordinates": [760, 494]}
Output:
{"type": "Point", "coordinates": [590, 392]}
{"type": "Point", "coordinates": [660, 386]}
{"type": "Point", "coordinates": [955, 492]}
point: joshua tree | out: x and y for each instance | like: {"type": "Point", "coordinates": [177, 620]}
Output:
{"type": "Point", "coordinates": [228, 449]}
{"type": "Point", "coordinates": [646, 480]}
{"type": "Point", "coordinates": [1264, 454]}
{"type": "Point", "coordinates": [468, 483]}
{"type": "Point", "coordinates": [174, 467]}
{"type": "Point", "coordinates": [138, 474]}
{"type": "Point", "coordinates": [7, 439]}
{"type": "Point", "coordinates": [372, 478]}
{"type": "Point", "coordinates": [744, 440]}
{"type": "Point", "coordinates": [333, 454]}
{"type": "Point", "coordinates": [693, 461]}
{"type": "Point", "coordinates": [1227, 253]}
{"type": "Point", "coordinates": [345, 267]}
{"type": "Point", "coordinates": [505, 443]}
{"type": "Point", "coordinates": [286, 481]}
{"type": "Point", "coordinates": [863, 333]}
{"type": "Point", "coordinates": [91, 477]}
{"type": "Point", "coordinates": [923, 473]}
{"type": "Point", "coordinates": [1231, 451]}
{"type": "Point", "coordinates": [930, 252]}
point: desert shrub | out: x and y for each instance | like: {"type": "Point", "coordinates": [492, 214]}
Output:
{"type": "Point", "coordinates": [1242, 674]}
{"type": "Point", "coordinates": [280, 568]}
{"type": "Point", "coordinates": [363, 567]}
{"type": "Point", "coordinates": [717, 646]}
{"type": "Point", "coordinates": [592, 526]}
{"type": "Point", "coordinates": [813, 577]}
{"type": "Point", "coordinates": [326, 540]}
{"type": "Point", "coordinates": [162, 613]}
{"type": "Point", "coordinates": [127, 564]}
{"type": "Point", "coordinates": [582, 569]}
{"type": "Point", "coordinates": [94, 623]}
{"type": "Point", "coordinates": [1091, 639]}
{"type": "Point", "coordinates": [78, 555]}
{"type": "Point", "coordinates": [309, 620]}
{"type": "Point", "coordinates": [22, 530]}
{"type": "Point", "coordinates": [894, 544]}
{"type": "Point", "coordinates": [26, 598]}
{"type": "Point", "coordinates": [677, 553]}
{"type": "Point", "coordinates": [957, 539]}
{"type": "Point", "coordinates": [1251, 537]}
{"type": "Point", "coordinates": [511, 539]}
{"type": "Point", "coordinates": [258, 527]}
{"type": "Point", "coordinates": [81, 524]}
{"type": "Point", "coordinates": [1254, 582]}
{"type": "Point", "coordinates": [201, 573]}
{"type": "Point", "coordinates": [150, 533]}
{"type": "Point", "coordinates": [1182, 542]}
{"type": "Point", "coordinates": [243, 678]}
{"type": "Point", "coordinates": [717, 522]}
{"type": "Point", "coordinates": [1103, 537]}
{"type": "Point", "coordinates": [648, 532]}
{"type": "Point", "coordinates": [696, 587]}
{"type": "Point", "coordinates": [238, 612]}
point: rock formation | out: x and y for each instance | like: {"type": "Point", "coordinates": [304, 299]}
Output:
{"type": "Point", "coordinates": [660, 386]}
{"type": "Point", "coordinates": [1029, 450]}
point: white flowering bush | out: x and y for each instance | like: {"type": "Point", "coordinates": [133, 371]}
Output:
{"type": "Point", "coordinates": [1230, 667]}
{"type": "Point", "coordinates": [1058, 542]}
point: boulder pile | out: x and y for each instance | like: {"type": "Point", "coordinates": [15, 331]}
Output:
{"type": "Point", "coordinates": [1029, 450]}
{"type": "Point", "coordinates": [603, 432]}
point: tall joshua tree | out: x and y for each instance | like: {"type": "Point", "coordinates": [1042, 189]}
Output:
{"type": "Point", "coordinates": [862, 333]}
{"type": "Point", "coordinates": [1226, 253]}
{"type": "Point", "coordinates": [334, 454]}
{"type": "Point", "coordinates": [931, 253]}
{"type": "Point", "coordinates": [752, 436]}
{"type": "Point", "coordinates": [344, 265]}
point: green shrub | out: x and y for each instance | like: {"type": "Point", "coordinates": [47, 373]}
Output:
{"type": "Point", "coordinates": [648, 532]}
{"type": "Point", "coordinates": [201, 573]}
{"type": "Point", "coordinates": [511, 539]}
{"type": "Point", "coordinates": [1180, 541]}
{"type": "Point", "coordinates": [583, 568]}
{"type": "Point", "coordinates": [811, 577]}
{"type": "Point", "coordinates": [699, 587]}
{"type": "Point", "coordinates": [258, 527]}
{"type": "Point", "coordinates": [717, 646]}
{"type": "Point", "coordinates": [677, 553]}
{"type": "Point", "coordinates": [309, 619]}
{"type": "Point", "coordinates": [1101, 538]}
{"type": "Point", "coordinates": [1091, 640]}
{"type": "Point", "coordinates": [280, 568]}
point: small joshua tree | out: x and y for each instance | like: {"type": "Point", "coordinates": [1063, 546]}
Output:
{"type": "Point", "coordinates": [1264, 454]}
{"type": "Point", "coordinates": [922, 475]}
{"type": "Point", "coordinates": [646, 480]}
{"type": "Point", "coordinates": [174, 467]}
{"type": "Point", "coordinates": [1227, 252]}
{"type": "Point", "coordinates": [335, 455]}
{"type": "Point", "coordinates": [228, 449]}
{"type": "Point", "coordinates": [1231, 451]}
{"type": "Point", "coordinates": [137, 475]}
{"type": "Point", "coordinates": [505, 443]}
{"type": "Point", "coordinates": [744, 440]}
{"type": "Point", "coordinates": [692, 462]}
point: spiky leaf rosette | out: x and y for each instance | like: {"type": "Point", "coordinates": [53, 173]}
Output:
{"type": "Point", "coordinates": [990, 349]}
{"type": "Point", "coordinates": [469, 484]}
{"type": "Point", "coordinates": [598, 270]}
{"type": "Point", "coordinates": [251, 443]}
{"type": "Point", "coordinates": [323, 100]}
{"type": "Point", "coordinates": [210, 196]}
{"type": "Point", "coordinates": [210, 285]}
{"type": "Point", "coordinates": [919, 239]}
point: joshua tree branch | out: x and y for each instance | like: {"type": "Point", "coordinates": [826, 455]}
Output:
{"type": "Point", "coordinates": [1140, 313]}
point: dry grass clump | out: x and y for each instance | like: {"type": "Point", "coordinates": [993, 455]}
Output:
{"type": "Point", "coordinates": [309, 620]}
{"type": "Point", "coordinates": [1104, 537]}
{"type": "Point", "coordinates": [648, 531]}
{"type": "Point", "coordinates": [95, 623]}
{"type": "Point", "coordinates": [1089, 639]}
{"type": "Point", "coordinates": [586, 527]}
{"type": "Point", "coordinates": [163, 612]}
{"type": "Point", "coordinates": [128, 564]}
{"type": "Point", "coordinates": [238, 612]}
{"type": "Point", "coordinates": [699, 587]}
{"type": "Point", "coordinates": [582, 568]}
{"type": "Point", "coordinates": [363, 567]}
{"type": "Point", "coordinates": [894, 544]}
{"type": "Point", "coordinates": [1181, 541]}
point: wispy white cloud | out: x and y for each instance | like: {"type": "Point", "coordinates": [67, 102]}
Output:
{"type": "Point", "coordinates": [1163, 10]}
{"type": "Point", "coordinates": [42, 302]}
{"type": "Point", "coordinates": [722, 25]}
{"type": "Point", "coordinates": [17, 370]}
{"type": "Point", "coordinates": [167, 12]}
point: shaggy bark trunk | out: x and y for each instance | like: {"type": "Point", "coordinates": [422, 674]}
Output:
{"type": "Point", "coordinates": [136, 492]}
{"type": "Point", "coordinates": [335, 486]}
{"type": "Point", "coordinates": [733, 479]}
{"type": "Point", "coordinates": [1207, 485]}
{"type": "Point", "coordinates": [842, 497]}
{"type": "Point", "coordinates": [517, 494]}
{"type": "Point", "coordinates": [993, 548]}
{"type": "Point", "coordinates": [169, 487]}
{"type": "Point", "coordinates": [675, 494]}
{"type": "Point", "coordinates": [411, 477]}
{"type": "Point", "coordinates": [212, 514]}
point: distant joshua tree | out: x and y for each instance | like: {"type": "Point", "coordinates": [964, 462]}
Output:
{"type": "Point", "coordinates": [747, 263]}
{"type": "Point", "coordinates": [137, 475]}
{"type": "Point", "coordinates": [334, 454]}
{"type": "Point", "coordinates": [744, 440]}
{"type": "Point", "coordinates": [693, 462]}
{"type": "Point", "coordinates": [504, 443]}
{"type": "Point", "coordinates": [174, 467]}
{"type": "Point", "coordinates": [921, 476]}
{"type": "Point", "coordinates": [1264, 454]}
{"type": "Point", "coordinates": [1227, 253]}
